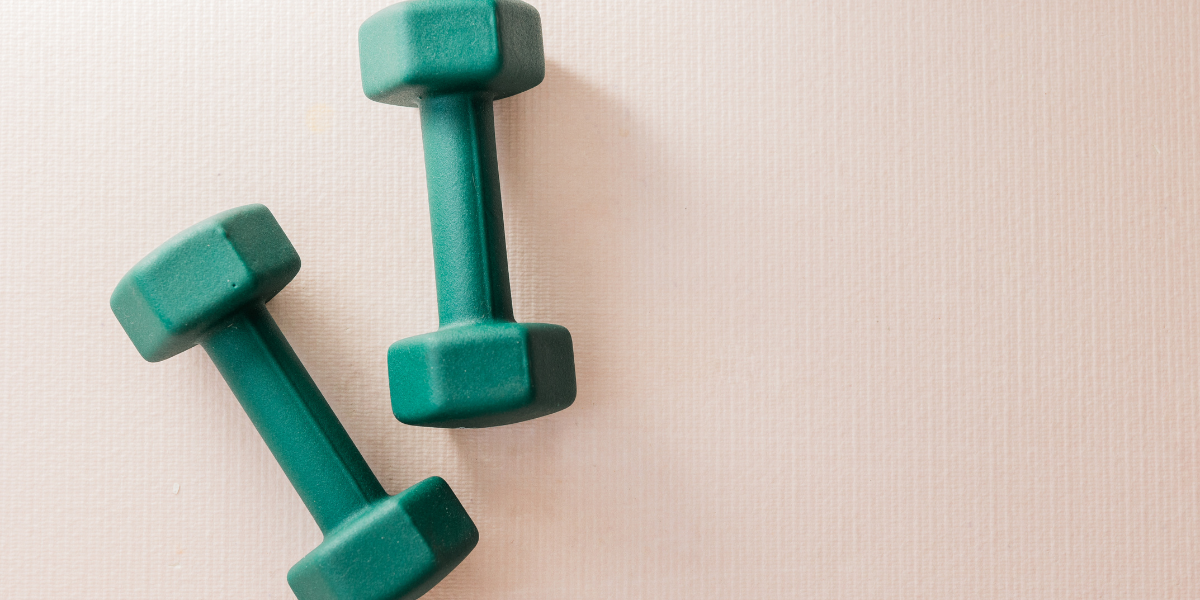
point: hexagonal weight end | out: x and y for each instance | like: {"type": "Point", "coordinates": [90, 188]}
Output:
{"type": "Point", "coordinates": [482, 375]}
{"type": "Point", "coordinates": [397, 550]}
{"type": "Point", "coordinates": [424, 47]}
{"type": "Point", "coordinates": [174, 295]}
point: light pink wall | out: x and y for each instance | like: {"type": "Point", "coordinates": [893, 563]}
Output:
{"type": "Point", "coordinates": [871, 300]}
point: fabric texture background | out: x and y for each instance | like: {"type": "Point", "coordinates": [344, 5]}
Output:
{"type": "Point", "coordinates": [885, 299]}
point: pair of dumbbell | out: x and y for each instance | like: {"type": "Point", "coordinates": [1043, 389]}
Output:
{"type": "Point", "coordinates": [209, 285]}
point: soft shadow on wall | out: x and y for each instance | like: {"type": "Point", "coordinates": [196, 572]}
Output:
{"type": "Point", "coordinates": [566, 152]}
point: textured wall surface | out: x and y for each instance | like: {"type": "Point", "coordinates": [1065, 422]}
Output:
{"type": "Point", "coordinates": [892, 299]}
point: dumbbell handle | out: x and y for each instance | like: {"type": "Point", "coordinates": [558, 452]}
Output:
{"type": "Point", "coordinates": [293, 417]}
{"type": "Point", "coordinates": [470, 261]}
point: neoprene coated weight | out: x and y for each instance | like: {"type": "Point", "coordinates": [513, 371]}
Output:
{"type": "Point", "coordinates": [451, 59]}
{"type": "Point", "coordinates": [208, 286]}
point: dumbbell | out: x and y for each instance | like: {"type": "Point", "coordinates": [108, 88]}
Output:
{"type": "Point", "coordinates": [451, 59]}
{"type": "Point", "coordinates": [208, 286]}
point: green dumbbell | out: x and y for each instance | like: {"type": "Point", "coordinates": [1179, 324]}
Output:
{"type": "Point", "coordinates": [451, 59]}
{"type": "Point", "coordinates": [208, 286]}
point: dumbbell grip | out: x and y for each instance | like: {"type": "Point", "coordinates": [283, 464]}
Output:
{"type": "Point", "coordinates": [470, 261]}
{"type": "Point", "coordinates": [292, 416]}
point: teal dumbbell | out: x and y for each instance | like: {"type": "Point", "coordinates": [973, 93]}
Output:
{"type": "Point", "coordinates": [451, 59]}
{"type": "Point", "coordinates": [208, 286]}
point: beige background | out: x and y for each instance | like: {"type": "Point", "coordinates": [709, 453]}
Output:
{"type": "Point", "coordinates": [891, 299]}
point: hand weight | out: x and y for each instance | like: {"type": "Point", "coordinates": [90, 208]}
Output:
{"type": "Point", "coordinates": [451, 59]}
{"type": "Point", "coordinates": [208, 285]}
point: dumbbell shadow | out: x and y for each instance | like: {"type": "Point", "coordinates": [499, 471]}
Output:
{"type": "Point", "coordinates": [569, 153]}
{"type": "Point", "coordinates": [208, 286]}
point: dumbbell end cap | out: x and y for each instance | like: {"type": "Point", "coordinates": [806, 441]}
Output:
{"type": "Point", "coordinates": [397, 549]}
{"type": "Point", "coordinates": [419, 48]}
{"type": "Point", "coordinates": [177, 293]}
{"type": "Point", "coordinates": [482, 374]}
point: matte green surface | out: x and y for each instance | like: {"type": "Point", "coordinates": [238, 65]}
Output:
{"type": "Point", "coordinates": [193, 290]}
{"type": "Point", "coordinates": [399, 549]}
{"type": "Point", "coordinates": [484, 374]}
{"type": "Point", "coordinates": [451, 58]}
{"type": "Point", "coordinates": [177, 294]}
{"type": "Point", "coordinates": [420, 48]}
{"type": "Point", "coordinates": [293, 417]}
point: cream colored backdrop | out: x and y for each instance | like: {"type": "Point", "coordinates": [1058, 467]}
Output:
{"type": "Point", "coordinates": [871, 300]}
